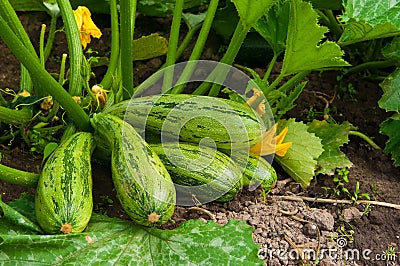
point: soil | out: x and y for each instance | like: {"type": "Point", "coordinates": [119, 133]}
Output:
{"type": "Point", "coordinates": [286, 230]}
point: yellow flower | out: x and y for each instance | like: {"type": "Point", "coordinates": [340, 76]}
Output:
{"type": "Point", "coordinates": [272, 144]}
{"type": "Point", "coordinates": [101, 95]}
{"type": "Point", "coordinates": [86, 25]}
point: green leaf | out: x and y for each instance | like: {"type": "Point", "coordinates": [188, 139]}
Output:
{"type": "Point", "coordinates": [250, 11]}
{"type": "Point", "coordinates": [120, 242]}
{"type": "Point", "coordinates": [149, 46]}
{"type": "Point", "coordinates": [48, 149]}
{"type": "Point", "coordinates": [392, 49]}
{"type": "Point", "coordinates": [391, 128]}
{"type": "Point", "coordinates": [14, 223]}
{"type": "Point", "coordinates": [367, 20]}
{"type": "Point", "coordinates": [303, 48]}
{"type": "Point", "coordinates": [390, 100]}
{"type": "Point", "coordinates": [359, 31]}
{"type": "Point", "coordinates": [273, 26]}
{"type": "Point", "coordinates": [373, 12]}
{"type": "Point", "coordinates": [192, 20]}
{"type": "Point", "coordinates": [333, 137]}
{"type": "Point", "coordinates": [300, 160]}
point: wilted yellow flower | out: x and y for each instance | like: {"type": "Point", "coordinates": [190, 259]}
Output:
{"type": "Point", "coordinates": [86, 25]}
{"type": "Point", "coordinates": [24, 93]}
{"type": "Point", "coordinates": [260, 109]}
{"type": "Point", "coordinates": [101, 95]}
{"type": "Point", "coordinates": [47, 103]}
{"type": "Point", "coordinates": [272, 144]}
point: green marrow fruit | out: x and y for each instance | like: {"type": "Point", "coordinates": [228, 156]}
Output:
{"type": "Point", "coordinates": [144, 187]}
{"type": "Point", "coordinates": [257, 171]}
{"type": "Point", "coordinates": [191, 118]}
{"type": "Point", "coordinates": [203, 173]}
{"type": "Point", "coordinates": [18, 177]}
{"type": "Point", "coordinates": [63, 200]}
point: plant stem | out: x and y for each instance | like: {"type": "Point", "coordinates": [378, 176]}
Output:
{"type": "Point", "coordinates": [11, 116]}
{"type": "Point", "coordinates": [173, 44]}
{"type": "Point", "coordinates": [108, 77]}
{"type": "Point", "coordinates": [236, 42]}
{"type": "Point", "coordinates": [43, 78]}
{"type": "Point", "coordinates": [41, 44]}
{"type": "Point", "coordinates": [74, 47]}
{"type": "Point", "coordinates": [364, 137]}
{"type": "Point", "coordinates": [270, 67]}
{"type": "Point", "coordinates": [50, 37]}
{"type": "Point", "coordinates": [294, 80]}
{"type": "Point", "coordinates": [18, 177]}
{"type": "Point", "coordinates": [199, 46]}
{"type": "Point", "coordinates": [127, 14]}
{"type": "Point", "coordinates": [8, 14]}
{"type": "Point", "coordinates": [186, 40]}
{"type": "Point", "coordinates": [372, 65]}
{"type": "Point", "coordinates": [333, 23]}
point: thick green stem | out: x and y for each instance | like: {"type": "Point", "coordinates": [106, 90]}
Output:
{"type": "Point", "coordinates": [127, 10]}
{"type": "Point", "coordinates": [18, 177]}
{"type": "Point", "coordinates": [333, 23]}
{"type": "Point", "coordinates": [173, 44]}
{"type": "Point", "coordinates": [112, 66]}
{"type": "Point", "coordinates": [41, 44]}
{"type": "Point", "coordinates": [11, 116]}
{"type": "Point", "coordinates": [236, 42]}
{"type": "Point", "coordinates": [74, 47]}
{"type": "Point", "coordinates": [199, 46]}
{"type": "Point", "coordinates": [372, 65]}
{"type": "Point", "coordinates": [366, 138]}
{"type": "Point", "coordinates": [43, 78]}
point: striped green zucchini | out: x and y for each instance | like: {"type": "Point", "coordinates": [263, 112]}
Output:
{"type": "Point", "coordinates": [201, 172]}
{"type": "Point", "coordinates": [63, 200]}
{"type": "Point", "coordinates": [191, 118]}
{"type": "Point", "coordinates": [144, 187]}
{"type": "Point", "coordinates": [257, 171]}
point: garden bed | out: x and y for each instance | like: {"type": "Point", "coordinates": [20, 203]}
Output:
{"type": "Point", "coordinates": [279, 224]}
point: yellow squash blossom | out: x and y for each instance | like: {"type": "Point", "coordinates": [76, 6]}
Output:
{"type": "Point", "coordinates": [272, 144]}
{"type": "Point", "coordinates": [86, 25]}
{"type": "Point", "coordinates": [269, 143]}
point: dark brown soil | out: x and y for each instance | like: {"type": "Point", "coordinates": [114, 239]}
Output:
{"type": "Point", "coordinates": [374, 228]}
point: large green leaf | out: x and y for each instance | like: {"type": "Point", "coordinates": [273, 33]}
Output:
{"type": "Point", "coordinates": [390, 100]}
{"type": "Point", "coordinates": [112, 241]}
{"type": "Point", "coordinates": [333, 137]}
{"type": "Point", "coordinates": [367, 20]}
{"type": "Point", "coordinates": [250, 11]}
{"type": "Point", "coordinates": [391, 128]}
{"type": "Point", "coordinates": [273, 26]}
{"type": "Point", "coordinates": [300, 160]}
{"type": "Point", "coordinates": [303, 48]}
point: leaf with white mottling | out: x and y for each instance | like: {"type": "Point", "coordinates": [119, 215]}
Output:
{"type": "Point", "coordinates": [300, 160]}
{"type": "Point", "coordinates": [367, 20]}
{"type": "Point", "coordinates": [112, 241]}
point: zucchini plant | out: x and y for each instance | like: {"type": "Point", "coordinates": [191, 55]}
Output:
{"type": "Point", "coordinates": [143, 173]}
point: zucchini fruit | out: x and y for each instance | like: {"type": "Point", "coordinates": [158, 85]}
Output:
{"type": "Point", "coordinates": [144, 187]}
{"type": "Point", "coordinates": [256, 171]}
{"type": "Point", "coordinates": [199, 173]}
{"type": "Point", "coordinates": [191, 118]}
{"type": "Point", "coordinates": [63, 200]}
